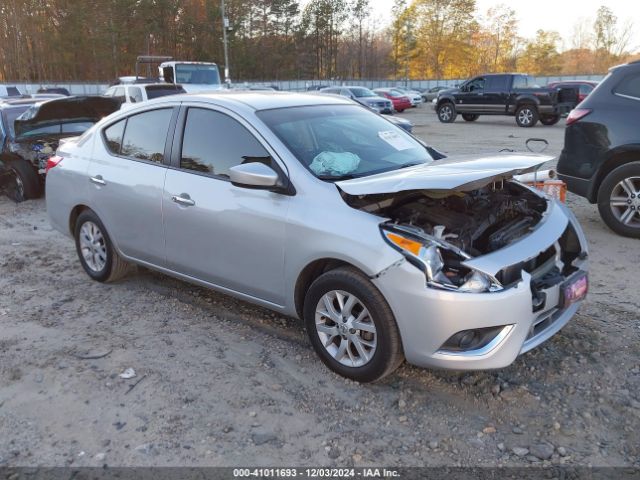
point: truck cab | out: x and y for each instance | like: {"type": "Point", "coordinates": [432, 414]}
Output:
{"type": "Point", "coordinates": [193, 76]}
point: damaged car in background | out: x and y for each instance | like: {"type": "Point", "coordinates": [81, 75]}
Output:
{"type": "Point", "coordinates": [32, 131]}
{"type": "Point", "coordinates": [385, 249]}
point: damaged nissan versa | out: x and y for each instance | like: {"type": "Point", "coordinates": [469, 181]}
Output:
{"type": "Point", "coordinates": [321, 209]}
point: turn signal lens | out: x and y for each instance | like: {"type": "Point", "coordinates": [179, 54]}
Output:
{"type": "Point", "coordinates": [404, 243]}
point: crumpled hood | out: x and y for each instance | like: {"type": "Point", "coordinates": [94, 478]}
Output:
{"type": "Point", "coordinates": [459, 173]}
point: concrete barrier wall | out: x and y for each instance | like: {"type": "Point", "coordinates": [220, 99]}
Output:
{"type": "Point", "coordinates": [295, 85]}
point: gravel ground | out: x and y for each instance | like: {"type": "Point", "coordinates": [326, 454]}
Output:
{"type": "Point", "coordinates": [220, 382]}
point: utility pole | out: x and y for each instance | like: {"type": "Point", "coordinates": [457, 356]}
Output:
{"type": "Point", "coordinates": [225, 26]}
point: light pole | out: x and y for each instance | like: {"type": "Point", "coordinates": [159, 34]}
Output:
{"type": "Point", "coordinates": [225, 26]}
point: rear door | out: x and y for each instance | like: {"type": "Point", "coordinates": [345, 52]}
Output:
{"type": "Point", "coordinates": [127, 176]}
{"type": "Point", "coordinates": [229, 236]}
{"type": "Point", "coordinates": [496, 93]}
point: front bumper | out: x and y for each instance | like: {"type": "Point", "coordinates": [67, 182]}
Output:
{"type": "Point", "coordinates": [428, 317]}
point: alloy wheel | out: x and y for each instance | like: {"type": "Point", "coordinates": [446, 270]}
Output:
{"type": "Point", "coordinates": [93, 247]}
{"type": "Point", "coordinates": [625, 201]}
{"type": "Point", "coordinates": [445, 113]}
{"type": "Point", "coordinates": [345, 328]}
{"type": "Point", "coordinates": [525, 116]}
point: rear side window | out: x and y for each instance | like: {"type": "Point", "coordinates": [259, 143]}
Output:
{"type": "Point", "coordinates": [113, 136]}
{"type": "Point", "coordinates": [135, 94]}
{"type": "Point", "coordinates": [214, 142]}
{"type": "Point", "coordinates": [145, 135]}
{"type": "Point", "coordinates": [140, 136]}
{"type": "Point", "coordinates": [520, 81]}
{"type": "Point", "coordinates": [497, 83]}
{"type": "Point", "coordinates": [629, 86]}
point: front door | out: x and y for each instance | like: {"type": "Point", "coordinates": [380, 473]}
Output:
{"type": "Point", "coordinates": [229, 236]}
{"type": "Point", "coordinates": [470, 99]}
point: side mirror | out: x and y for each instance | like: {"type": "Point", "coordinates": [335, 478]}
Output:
{"type": "Point", "coordinates": [254, 175]}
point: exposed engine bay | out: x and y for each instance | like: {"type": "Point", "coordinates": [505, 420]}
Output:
{"type": "Point", "coordinates": [477, 222]}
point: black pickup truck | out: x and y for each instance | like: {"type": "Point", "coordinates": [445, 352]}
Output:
{"type": "Point", "coordinates": [511, 94]}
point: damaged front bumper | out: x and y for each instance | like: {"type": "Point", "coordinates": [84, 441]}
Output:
{"type": "Point", "coordinates": [496, 326]}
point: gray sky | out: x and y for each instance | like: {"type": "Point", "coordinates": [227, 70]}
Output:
{"type": "Point", "coordinates": [558, 15]}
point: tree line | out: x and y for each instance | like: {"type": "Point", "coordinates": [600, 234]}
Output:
{"type": "Point", "coordinates": [76, 40]}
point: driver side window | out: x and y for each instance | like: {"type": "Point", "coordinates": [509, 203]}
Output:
{"type": "Point", "coordinates": [476, 85]}
{"type": "Point", "coordinates": [213, 142]}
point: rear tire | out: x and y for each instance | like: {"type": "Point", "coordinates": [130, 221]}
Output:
{"type": "Point", "coordinates": [527, 116]}
{"type": "Point", "coordinates": [619, 201]}
{"type": "Point", "coordinates": [95, 249]}
{"type": "Point", "coordinates": [470, 117]}
{"type": "Point", "coordinates": [360, 341]}
{"type": "Point", "coordinates": [447, 112]}
{"type": "Point", "coordinates": [24, 182]}
{"type": "Point", "coordinates": [549, 119]}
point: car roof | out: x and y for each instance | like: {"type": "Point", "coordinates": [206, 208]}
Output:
{"type": "Point", "coordinates": [258, 99]}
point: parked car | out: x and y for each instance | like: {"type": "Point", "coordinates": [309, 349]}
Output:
{"type": "Point", "coordinates": [585, 87]}
{"type": "Point", "coordinates": [363, 96]}
{"type": "Point", "coordinates": [311, 88]}
{"type": "Point", "coordinates": [315, 207]}
{"type": "Point", "coordinates": [401, 122]}
{"type": "Point", "coordinates": [57, 90]}
{"type": "Point", "coordinates": [32, 131]}
{"type": "Point", "coordinates": [601, 156]}
{"type": "Point", "coordinates": [513, 94]}
{"type": "Point", "coordinates": [8, 91]}
{"type": "Point", "coordinates": [141, 92]}
{"type": "Point", "coordinates": [431, 93]}
{"type": "Point", "coordinates": [414, 95]}
{"type": "Point", "coordinates": [399, 100]}
{"type": "Point", "coordinates": [9, 179]}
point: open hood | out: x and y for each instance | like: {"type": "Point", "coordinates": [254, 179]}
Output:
{"type": "Point", "coordinates": [65, 110]}
{"type": "Point", "coordinates": [459, 173]}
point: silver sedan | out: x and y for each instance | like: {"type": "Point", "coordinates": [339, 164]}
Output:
{"type": "Point", "coordinates": [323, 210]}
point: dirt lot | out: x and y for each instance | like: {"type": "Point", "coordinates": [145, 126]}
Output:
{"type": "Point", "coordinates": [224, 383]}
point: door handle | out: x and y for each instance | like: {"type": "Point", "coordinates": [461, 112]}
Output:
{"type": "Point", "coordinates": [183, 199]}
{"type": "Point", "coordinates": [97, 180]}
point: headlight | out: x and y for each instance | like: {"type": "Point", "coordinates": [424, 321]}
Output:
{"type": "Point", "coordinates": [440, 262]}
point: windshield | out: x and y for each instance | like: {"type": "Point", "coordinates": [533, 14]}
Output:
{"type": "Point", "coordinates": [197, 73]}
{"type": "Point", "coordinates": [10, 115]}
{"type": "Point", "coordinates": [344, 141]}
{"type": "Point", "coordinates": [362, 92]}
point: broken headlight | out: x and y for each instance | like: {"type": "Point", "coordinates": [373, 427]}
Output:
{"type": "Point", "coordinates": [440, 261]}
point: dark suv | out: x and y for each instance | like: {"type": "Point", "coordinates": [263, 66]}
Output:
{"type": "Point", "coordinates": [601, 156]}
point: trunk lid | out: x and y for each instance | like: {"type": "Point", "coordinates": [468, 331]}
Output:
{"type": "Point", "coordinates": [459, 173]}
{"type": "Point", "coordinates": [48, 119]}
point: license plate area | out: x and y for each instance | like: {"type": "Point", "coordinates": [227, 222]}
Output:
{"type": "Point", "coordinates": [574, 289]}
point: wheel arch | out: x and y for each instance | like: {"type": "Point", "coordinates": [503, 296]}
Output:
{"type": "Point", "coordinates": [312, 271]}
{"type": "Point", "coordinates": [73, 217]}
{"type": "Point", "coordinates": [615, 158]}
{"type": "Point", "coordinates": [526, 100]}
{"type": "Point", "coordinates": [444, 99]}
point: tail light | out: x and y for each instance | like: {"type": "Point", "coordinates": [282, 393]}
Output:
{"type": "Point", "coordinates": [576, 114]}
{"type": "Point", "coordinates": [52, 162]}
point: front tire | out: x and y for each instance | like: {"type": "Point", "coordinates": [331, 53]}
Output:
{"type": "Point", "coordinates": [549, 119]}
{"type": "Point", "coordinates": [470, 117]}
{"type": "Point", "coordinates": [23, 183]}
{"type": "Point", "coordinates": [95, 249]}
{"type": "Point", "coordinates": [447, 112]}
{"type": "Point", "coordinates": [619, 200]}
{"type": "Point", "coordinates": [527, 116]}
{"type": "Point", "coordinates": [351, 326]}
